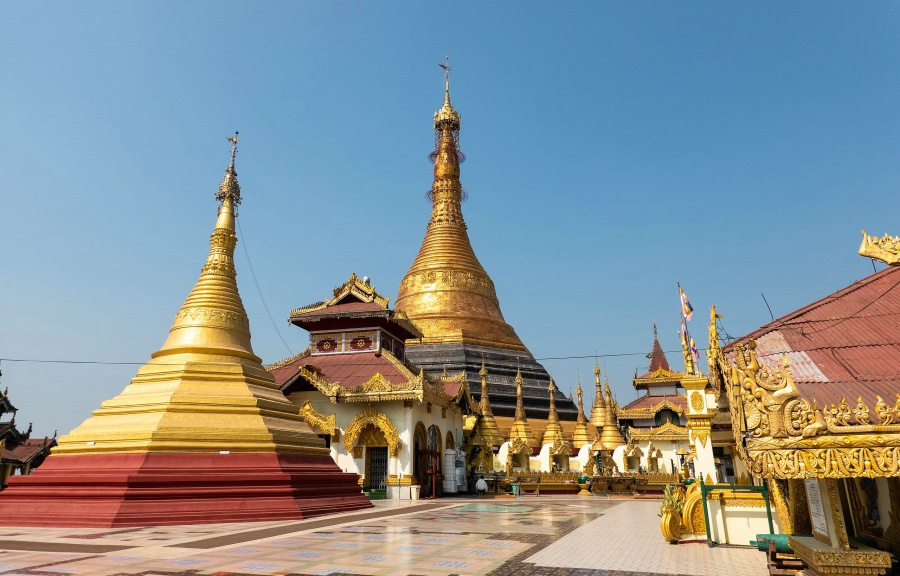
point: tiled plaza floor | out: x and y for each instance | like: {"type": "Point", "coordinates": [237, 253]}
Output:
{"type": "Point", "coordinates": [529, 536]}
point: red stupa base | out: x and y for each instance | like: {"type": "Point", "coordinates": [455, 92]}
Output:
{"type": "Point", "coordinates": [155, 489]}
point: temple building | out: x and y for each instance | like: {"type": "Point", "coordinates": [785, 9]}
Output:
{"type": "Point", "coordinates": [655, 421]}
{"type": "Point", "coordinates": [384, 419]}
{"type": "Point", "coordinates": [201, 434]}
{"type": "Point", "coordinates": [814, 401]}
{"type": "Point", "coordinates": [451, 299]}
{"type": "Point", "coordinates": [19, 452]}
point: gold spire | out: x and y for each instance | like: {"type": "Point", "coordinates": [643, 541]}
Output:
{"type": "Point", "coordinates": [520, 428]}
{"type": "Point", "coordinates": [553, 431]}
{"type": "Point", "coordinates": [598, 412]}
{"type": "Point", "coordinates": [446, 292]}
{"type": "Point", "coordinates": [447, 114]}
{"type": "Point", "coordinates": [610, 434]}
{"type": "Point", "coordinates": [204, 390]}
{"type": "Point", "coordinates": [212, 319]}
{"type": "Point", "coordinates": [582, 433]}
{"type": "Point", "coordinates": [487, 425]}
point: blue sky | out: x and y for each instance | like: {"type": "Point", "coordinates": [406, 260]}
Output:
{"type": "Point", "coordinates": [613, 149]}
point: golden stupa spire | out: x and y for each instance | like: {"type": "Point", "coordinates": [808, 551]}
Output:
{"type": "Point", "coordinates": [204, 390]}
{"type": "Point", "coordinates": [212, 319]}
{"type": "Point", "coordinates": [446, 293]}
{"type": "Point", "coordinates": [487, 425]}
{"type": "Point", "coordinates": [598, 412]}
{"type": "Point", "coordinates": [520, 428]}
{"type": "Point", "coordinates": [610, 434]}
{"type": "Point", "coordinates": [553, 431]}
{"type": "Point", "coordinates": [582, 434]}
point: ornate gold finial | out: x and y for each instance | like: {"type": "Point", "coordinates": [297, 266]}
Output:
{"type": "Point", "coordinates": [886, 249]}
{"type": "Point", "coordinates": [229, 188]}
{"type": "Point", "coordinates": [447, 116]}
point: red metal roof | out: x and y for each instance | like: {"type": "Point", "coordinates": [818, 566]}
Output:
{"type": "Point", "coordinates": [350, 370]}
{"type": "Point", "coordinates": [845, 345]}
{"type": "Point", "coordinates": [348, 308]}
{"type": "Point", "coordinates": [26, 450]}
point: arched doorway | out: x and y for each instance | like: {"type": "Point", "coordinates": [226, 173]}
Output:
{"type": "Point", "coordinates": [376, 455]}
{"type": "Point", "coordinates": [428, 462]}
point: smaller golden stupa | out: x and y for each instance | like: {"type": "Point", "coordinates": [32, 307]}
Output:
{"type": "Point", "coordinates": [582, 433]}
{"type": "Point", "coordinates": [520, 428]}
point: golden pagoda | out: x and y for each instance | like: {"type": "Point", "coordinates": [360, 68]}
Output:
{"type": "Point", "coordinates": [450, 297]}
{"type": "Point", "coordinates": [610, 435]}
{"type": "Point", "coordinates": [487, 427]}
{"type": "Point", "coordinates": [201, 434]}
{"type": "Point", "coordinates": [520, 428]}
{"type": "Point", "coordinates": [598, 412]}
{"type": "Point", "coordinates": [582, 433]}
{"type": "Point", "coordinates": [553, 432]}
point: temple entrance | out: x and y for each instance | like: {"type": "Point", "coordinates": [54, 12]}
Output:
{"type": "Point", "coordinates": [376, 467]}
{"type": "Point", "coordinates": [428, 462]}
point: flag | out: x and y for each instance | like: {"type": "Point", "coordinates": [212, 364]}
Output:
{"type": "Point", "coordinates": [694, 349]}
{"type": "Point", "coordinates": [686, 309]}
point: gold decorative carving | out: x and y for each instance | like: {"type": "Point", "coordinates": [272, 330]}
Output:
{"type": "Point", "coordinates": [668, 431]}
{"type": "Point", "coordinates": [560, 447]}
{"type": "Point", "coordinates": [318, 420]}
{"type": "Point", "coordinates": [377, 419]}
{"type": "Point", "coordinates": [886, 249]}
{"type": "Point", "coordinates": [700, 428]}
{"type": "Point", "coordinates": [696, 401]}
{"type": "Point", "coordinates": [370, 435]}
{"type": "Point", "coordinates": [650, 412]}
{"type": "Point", "coordinates": [827, 560]}
{"type": "Point", "coordinates": [789, 437]}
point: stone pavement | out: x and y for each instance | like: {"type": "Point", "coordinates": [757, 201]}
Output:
{"type": "Point", "coordinates": [548, 536]}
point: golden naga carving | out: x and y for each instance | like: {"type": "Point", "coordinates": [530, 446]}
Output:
{"type": "Point", "coordinates": [782, 435]}
{"type": "Point", "coordinates": [377, 419]}
{"type": "Point", "coordinates": [885, 249]}
{"type": "Point", "coordinates": [318, 420]}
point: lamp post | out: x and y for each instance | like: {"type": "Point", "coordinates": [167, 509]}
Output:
{"type": "Point", "coordinates": [682, 452]}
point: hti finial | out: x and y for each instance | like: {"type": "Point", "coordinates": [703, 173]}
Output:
{"type": "Point", "coordinates": [229, 188]}
{"type": "Point", "coordinates": [234, 141]}
{"type": "Point", "coordinates": [446, 67]}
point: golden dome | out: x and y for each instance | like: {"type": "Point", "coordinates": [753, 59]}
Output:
{"type": "Point", "coordinates": [447, 293]}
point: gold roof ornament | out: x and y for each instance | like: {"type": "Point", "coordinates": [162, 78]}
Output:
{"type": "Point", "coordinates": [885, 249]}
{"type": "Point", "coordinates": [446, 292]}
{"type": "Point", "coordinates": [204, 390]}
{"type": "Point", "coordinates": [598, 412]}
{"type": "Point", "coordinates": [520, 428]}
{"type": "Point", "coordinates": [553, 432]}
{"type": "Point", "coordinates": [582, 434]}
{"type": "Point", "coordinates": [487, 427]}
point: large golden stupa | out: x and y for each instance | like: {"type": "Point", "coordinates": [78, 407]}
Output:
{"type": "Point", "coordinates": [201, 434]}
{"type": "Point", "coordinates": [451, 299]}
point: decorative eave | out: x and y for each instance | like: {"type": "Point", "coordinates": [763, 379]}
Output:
{"type": "Point", "coordinates": [783, 435]}
{"type": "Point", "coordinates": [885, 249]}
{"type": "Point", "coordinates": [417, 387]}
{"type": "Point", "coordinates": [354, 286]}
{"type": "Point", "coordinates": [650, 412]}
{"type": "Point", "coordinates": [667, 431]}
{"type": "Point", "coordinates": [660, 376]}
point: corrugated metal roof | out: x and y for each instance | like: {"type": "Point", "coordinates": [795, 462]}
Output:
{"type": "Point", "coordinates": [845, 345]}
